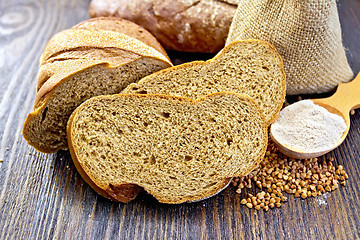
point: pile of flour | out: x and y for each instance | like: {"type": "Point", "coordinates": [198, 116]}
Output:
{"type": "Point", "coordinates": [308, 127]}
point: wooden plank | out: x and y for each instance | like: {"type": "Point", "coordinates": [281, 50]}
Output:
{"type": "Point", "coordinates": [349, 12]}
{"type": "Point", "coordinates": [43, 197]}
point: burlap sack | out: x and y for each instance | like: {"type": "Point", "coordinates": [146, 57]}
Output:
{"type": "Point", "coordinates": [307, 35]}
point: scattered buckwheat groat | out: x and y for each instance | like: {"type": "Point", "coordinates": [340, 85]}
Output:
{"type": "Point", "coordinates": [278, 174]}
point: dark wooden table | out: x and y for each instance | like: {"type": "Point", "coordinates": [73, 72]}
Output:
{"type": "Point", "coordinates": [43, 197]}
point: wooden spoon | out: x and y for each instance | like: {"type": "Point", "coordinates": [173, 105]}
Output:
{"type": "Point", "coordinates": [346, 98]}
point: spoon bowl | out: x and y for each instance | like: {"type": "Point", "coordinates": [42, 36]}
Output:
{"type": "Point", "coordinates": [346, 98]}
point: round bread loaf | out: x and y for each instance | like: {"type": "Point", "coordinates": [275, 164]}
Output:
{"type": "Point", "coordinates": [189, 26]}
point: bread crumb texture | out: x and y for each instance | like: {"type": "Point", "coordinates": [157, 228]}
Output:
{"type": "Point", "coordinates": [177, 149]}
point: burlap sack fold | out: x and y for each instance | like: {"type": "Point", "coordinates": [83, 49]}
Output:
{"type": "Point", "coordinates": [306, 33]}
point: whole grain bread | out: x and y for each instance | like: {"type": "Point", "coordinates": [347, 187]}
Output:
{"type": "Point", "coordinates": [251, 67]}
{"type": "Point", "coordinates": [78, 64]}
{"type": "Point", "coordinates": [177, 149]}
{"type": "Point", "coordinates": [189, 26]}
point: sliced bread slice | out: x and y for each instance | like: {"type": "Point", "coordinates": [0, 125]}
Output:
{"type": "Point", "coordinates": [177, 149]}
{"type": "Point", "coordinates": [77, 72]}
{"type": "Point", "coordinates": [251, 67]}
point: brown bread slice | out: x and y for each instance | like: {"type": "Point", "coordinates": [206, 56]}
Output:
{"type": "Point", "coordinates": [78, 73]}
{"type": "Point", "coordinates": [177, 149]}
{"type": "Point", "coordinates": [252, 67]}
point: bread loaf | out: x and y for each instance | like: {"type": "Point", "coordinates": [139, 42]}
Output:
{"type": "Point", "coordinates": [177, 149]}
{"type": "Point", "coordinates": [251, 67]}
{"type": "Point", "coordinates": [78, 64]}
{"type": "Point", "coordinates": [189, 26]}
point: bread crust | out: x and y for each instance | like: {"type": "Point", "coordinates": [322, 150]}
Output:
{"type": "Point", "coordinates": [76, 38]}
{"type": "Point", "coordinates": [189, 26]}
{"type": "Point", "coordinates": [220, 186]}
{"type": "Point", "coordinates": [124, 26]}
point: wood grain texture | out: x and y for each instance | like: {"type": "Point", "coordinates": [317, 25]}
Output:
{"type": "Point", "coordinates": [43, 197]}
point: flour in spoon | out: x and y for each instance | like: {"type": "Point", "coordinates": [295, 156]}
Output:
{"type": "Point", "coordinates": [308, 127]}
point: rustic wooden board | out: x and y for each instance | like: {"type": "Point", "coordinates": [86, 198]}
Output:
{"type": "Point", "coordinates": [43, 197]}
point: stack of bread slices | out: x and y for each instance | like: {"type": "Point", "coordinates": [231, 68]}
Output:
{"type": "Point", "coordinates": [180, 133]}
{"type": "Point", "coordinates": [96, 57]}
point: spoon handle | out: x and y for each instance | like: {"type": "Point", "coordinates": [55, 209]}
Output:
{"type": "Point", "coordinates": [346, 97]}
